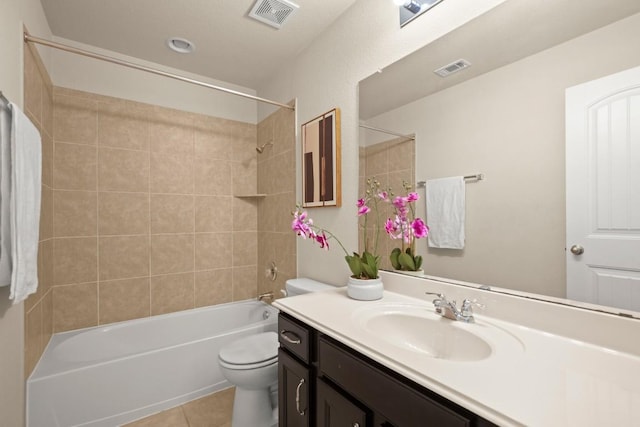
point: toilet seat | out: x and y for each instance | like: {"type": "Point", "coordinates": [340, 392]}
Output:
{"type": "Point", "coordinates": [251, 352]}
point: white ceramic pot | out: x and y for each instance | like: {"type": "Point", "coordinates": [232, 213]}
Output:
{"type": "Point", "coordinates": [365, 290]}
{"type": "Point", "coordinates": [418, 273]}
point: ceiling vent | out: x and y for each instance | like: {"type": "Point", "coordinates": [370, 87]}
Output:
{"type": "Point", "coordinates": [273, 12]}
{"type": "Point", "coordinates": [454, 67]}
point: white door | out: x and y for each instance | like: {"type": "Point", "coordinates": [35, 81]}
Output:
{"type": "Point", "coordinates": [603, 190]}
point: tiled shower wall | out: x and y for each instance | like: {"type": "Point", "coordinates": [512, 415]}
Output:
{"type": "Point", "coordinates": [145, 220]}
{"type": "Point", "coordinates": [390, 162]}
{"type": "Point", "coordinates": [276, 180]}
{"type": "Point", "coordinates": [139, 215]}
{"type": "Point", "coordinates": [38, 308]}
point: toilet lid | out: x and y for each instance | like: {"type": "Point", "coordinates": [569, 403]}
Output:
{"type": "Point", "coordinates": [251, 349]}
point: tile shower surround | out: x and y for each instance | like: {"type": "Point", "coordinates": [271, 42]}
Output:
{"type": "Point", "coordinates": [138, 212]}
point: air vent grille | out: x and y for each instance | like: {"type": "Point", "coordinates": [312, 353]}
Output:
{"type": "Point", "coordinates": [273, 12]}
{"type": "Point", "coordinates": [454, 67]}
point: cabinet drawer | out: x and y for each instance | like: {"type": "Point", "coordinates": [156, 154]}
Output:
{"type": "Point", "coordinates": [295, 337]}
{"type": "Point", "coordinates": [335, 410]}
{"type": "Point", "coordinates": [401, 404]}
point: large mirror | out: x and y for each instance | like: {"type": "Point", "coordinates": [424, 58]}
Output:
{"type": "Point", "coordinates": [504, 117]}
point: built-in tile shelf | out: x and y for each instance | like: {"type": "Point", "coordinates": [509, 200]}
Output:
{"type": "Point", "coordinates": [250, 196]}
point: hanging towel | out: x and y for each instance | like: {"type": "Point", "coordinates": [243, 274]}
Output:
{"type": "Point", "coordinates": [24, 205]}
{"type": "Point", "coordinates": [5, 192]}
{"type": "Point", "coordinates": [446, 212]}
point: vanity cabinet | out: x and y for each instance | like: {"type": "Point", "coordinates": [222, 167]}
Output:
{"type": "Point", "coordinates": [325, 383]}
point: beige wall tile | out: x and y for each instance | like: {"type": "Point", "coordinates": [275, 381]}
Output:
{"type": "Point", "coordinates": [171, 253]}
{"type": "Point", "coordinates": [33, 86]}
{"type": "Point", "coordinates": [33, 338]}
{"type": "Point", "coordinates": [75, 213]}
{"type": "Point", "coordinates": [75, 260]}
{"type": "Point", "coordinates": [170, 137]}
{"type": "Point", "coordinates": [213, 138]}
{"type": "Point", "coordinates": [47, 160]}
{"type": "Point", "coordinates": [172, 292]}
{"type": "Point", "coordinates": [244, 144]}
{"type": "Point", "coordinates": [244, 178]}
{"type": "Point", "coordinates": [74, 167]}
{"type": "Point", "coordinates": [245, 283]}
{"type": "Point", "coordinates": [245, 214]}
{"type": "Point", "coordinates": [123, 170]}
{"type": "Point", "coordinates": [214, 250]}
{"type": "Point", "coordinates": [47, 110]}
{"type": "Point", "coordinates": [75, 306]}
{"type": "Point", "coordinates": [124, 257]}
{"type": "Point", "coordinates": [75, 119]}
{"type": "Point", "coordinates": [123, 124]}
{"type": "Point", "coordinates": [124, 300]}
{"type": "Point", "coordinates": [212, 177]}
{"type": "Point", "coordinates": [172, 213]}
{"type": "Point", "coordinates": [245, 248]}
{"type": "Point", "coordinates": [123, 213]}
{"type": "Point", "coordinates": [214, 410]}
{"type": "Point", "coordinates": [214, 213]}
{"type": "Point", "coordinates": [213, 287]}
{"type": "Point", "coordinates": [46, 213]}
{"type": "Point", "coordinates": [47, 318]}
{"type": "Point", "coordinates": [171, 173]}
{"type": "Point", "coordinates": [284, 130]}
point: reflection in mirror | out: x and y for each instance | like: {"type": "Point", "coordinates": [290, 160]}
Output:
{"type": "Point", "coordinates": [411, 9]}
{"type": "Point", "coordinates": [504, 116]}
{"type": "Point", "coordinates": [389, 157]}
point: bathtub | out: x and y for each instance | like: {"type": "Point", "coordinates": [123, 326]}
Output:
{"type": "Point", "coordinates": [114, 374]}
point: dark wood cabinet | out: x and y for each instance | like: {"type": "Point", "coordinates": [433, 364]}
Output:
{"type": "Point", "coordinates": [293, 392]}
{"type": "Point", "coordinates": [325, 383]}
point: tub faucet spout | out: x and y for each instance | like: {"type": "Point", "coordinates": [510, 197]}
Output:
{"type": "Point", "coordinates": [266, 296]}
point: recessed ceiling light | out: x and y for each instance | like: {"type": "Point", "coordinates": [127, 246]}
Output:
{"type": "Point", "coordinates": [180, 45]}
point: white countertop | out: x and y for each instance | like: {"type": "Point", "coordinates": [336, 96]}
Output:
{"type": "Point", "coordinates": [532, 377]}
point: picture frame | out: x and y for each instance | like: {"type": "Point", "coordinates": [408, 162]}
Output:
{"type": "Point", "coordinates": [321, 161]}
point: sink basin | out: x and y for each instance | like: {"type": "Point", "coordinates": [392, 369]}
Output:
{"type": "Point", "coordinates": [417, 329]}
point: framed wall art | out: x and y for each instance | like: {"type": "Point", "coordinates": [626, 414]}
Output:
{"type": "Point", "coordinates": [321, 181]}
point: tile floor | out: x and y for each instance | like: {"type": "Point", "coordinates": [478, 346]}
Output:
{"type": "Point", "coordinates": [213, 410]}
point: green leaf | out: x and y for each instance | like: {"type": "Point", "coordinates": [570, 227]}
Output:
{"type": "Point", "coordinates": [355, 265]}
{"type": "Point", "coordinates": [394, 258]}
{"type": "Point", "coordinates": [370, 272]}
{"type": "Point", "coordinates": [418, 260]}
{"type": "Point", "coordinates": [407, 262]}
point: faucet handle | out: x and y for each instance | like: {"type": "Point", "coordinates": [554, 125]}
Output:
{"type": "Point", "coordinates": [439, 295]}
{"type": "Point", "coordinates": [467, 306]}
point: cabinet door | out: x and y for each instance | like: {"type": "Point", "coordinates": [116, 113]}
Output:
{"type": "Point", "coordinates": [335, 410]}
{"type": "Point", "coordinates": [293, 392]}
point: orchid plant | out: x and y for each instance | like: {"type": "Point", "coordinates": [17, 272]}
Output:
{"type": "Point", "coordinates": [362, 266]}
{"type": "Point", "coordinates": [405, 227]}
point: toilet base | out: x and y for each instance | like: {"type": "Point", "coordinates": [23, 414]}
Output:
{"type": "Point", "coordinates": [252, 408]}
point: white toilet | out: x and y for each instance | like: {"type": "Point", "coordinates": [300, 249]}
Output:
{"type": "Point", "coordinates": [251, 364]}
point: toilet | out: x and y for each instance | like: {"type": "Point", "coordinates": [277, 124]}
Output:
{"type": "Point", "coordinates": [251, 364]}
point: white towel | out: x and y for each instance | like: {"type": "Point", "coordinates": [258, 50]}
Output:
{"type": "Point", "coordinates": [5, 193]}
{"type": "Point", "coordinates": [26, 181]}
{"type": "Point", "coordinates": [446, 212]}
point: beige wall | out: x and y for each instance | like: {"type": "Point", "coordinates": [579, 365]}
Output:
{"type": "Point", "coordinates": [276, 180]}
{"type": "Point", "coordinates": [145, 220]}
{"type": "Point", "coordinates": [509, 125]}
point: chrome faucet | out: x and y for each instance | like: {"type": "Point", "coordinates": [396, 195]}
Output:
{"type": "Point", "coordinates": [450, 310]}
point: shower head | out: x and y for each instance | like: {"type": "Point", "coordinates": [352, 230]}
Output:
{"type": "Point", "coordinates": [263, 146]}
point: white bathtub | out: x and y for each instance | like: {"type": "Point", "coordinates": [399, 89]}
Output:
{"type": "Point", "coordinates": [114, 374]}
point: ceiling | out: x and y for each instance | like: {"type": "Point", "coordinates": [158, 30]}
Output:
{"type": "Point", "coordinates": [230, 46]}
{"type": "Point", "coordinates": [511, 31]}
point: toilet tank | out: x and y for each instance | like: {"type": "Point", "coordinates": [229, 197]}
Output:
{"type": "Point", "coordinates": [304, 286]}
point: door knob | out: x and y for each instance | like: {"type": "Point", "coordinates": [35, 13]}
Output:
{"type": "Point", "coordinates": [577, 250]}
